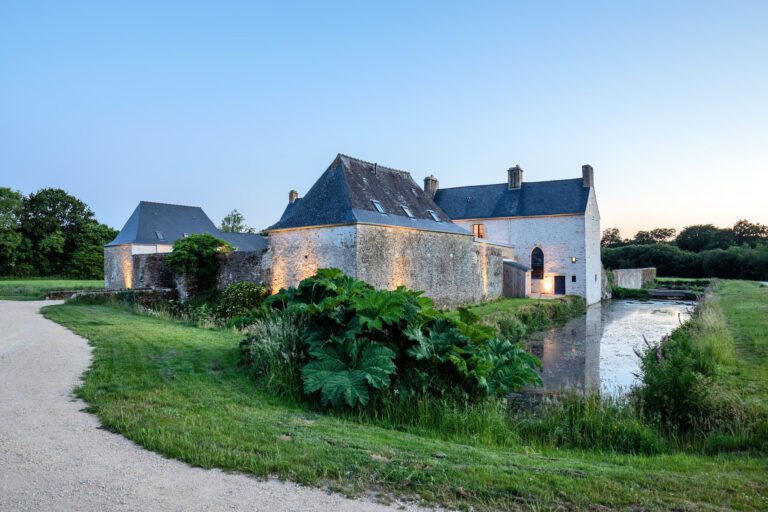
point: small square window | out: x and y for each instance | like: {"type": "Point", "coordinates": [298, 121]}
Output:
{"type": "Point", "coordinates": [478, 230]}
{"type": "Point", "coordinates": [378, 206]}
{"type": "Point", "coordinates": [159, 235]}
{"type": "Point", "coordinates": [434, 216]}
{"type": "Point", "coordinates": [407, 211]}
{"type": "Point", "coordinates": [573, 279]}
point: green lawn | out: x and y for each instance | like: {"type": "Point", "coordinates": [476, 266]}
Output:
{"type": "Point", "coordinates": [37, 289]}
{"type": "Point", "coordinates": [745, 304]}
{"type": "Point", "coordinates": [177, 390]}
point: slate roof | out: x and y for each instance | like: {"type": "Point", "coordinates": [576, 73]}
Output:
{"type": "Point", "coordinates": [160, 223]}
{"type": "Point", "coordinates": [557, 197]}
{"type": "Point", "coordinates": [345, 192]}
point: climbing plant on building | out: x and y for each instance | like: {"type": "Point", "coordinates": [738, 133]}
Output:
{"type": "Point", "coordinates": [194, 257]}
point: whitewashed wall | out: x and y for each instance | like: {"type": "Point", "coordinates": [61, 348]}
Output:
{"type": "Point", "coordinates": [594, 267]}
{"type": "Point", "coordinates": [561, 238]}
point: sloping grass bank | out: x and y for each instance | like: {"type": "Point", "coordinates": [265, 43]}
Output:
{"type": "Point", "coordinates": [37, 289]}
{"type": "Point", "coordinates": [177, 390]}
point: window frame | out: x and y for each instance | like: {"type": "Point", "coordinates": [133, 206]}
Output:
{"type": "Point", "coordinates": [537, 270]}
{"type": "Point", "coordinates": [478, 230]}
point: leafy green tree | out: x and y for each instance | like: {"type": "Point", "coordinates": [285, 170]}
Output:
{"type": "Point", "coordinates": [234, 222]}
{"type": "Point", "coordinates": [745, 232]}
{"type": "Point", "coordinates": [611, 238]}
{"type": "Point", "coordinates": [11, 203]}
{"type": "Point", "coordinates": [60, 236]}
{"type": "Point", "coordinates": [654, 236]}
{"type": "Point", "coordinates": [701, 237]}
{"type": "Point", "coordinates": [50, 220]}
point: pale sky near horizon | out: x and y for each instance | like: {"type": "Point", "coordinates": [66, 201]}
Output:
{"type": "Point", "coordinates": [232, 104]}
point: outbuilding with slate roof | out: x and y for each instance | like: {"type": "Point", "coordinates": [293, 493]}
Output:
{"type": "Point", "coordinates": [375, 223]}
{"type": "Point", "coordinates": [153, 228]}
{"type": "Point", "coordinates": [554, 227]}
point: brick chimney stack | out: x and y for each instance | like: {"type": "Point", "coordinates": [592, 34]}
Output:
{"type": "Point", "coordinates": [431, 185]}
{"type": "Point", "coordinates": [292, 196]}
{"type": "Point", "coordinates": [514, 177]}
{"type": "Point", "coordinates": [588, 176]}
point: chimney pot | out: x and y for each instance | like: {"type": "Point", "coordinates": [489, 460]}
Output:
{"type": "Point", "coordinates": [292, 196]}
{"type": "Point", "coordinates": [431, 185]}
{"type": "Point", "coordinates": [588, 176]}
{"type": "Point", "coordinates": [514, 177]}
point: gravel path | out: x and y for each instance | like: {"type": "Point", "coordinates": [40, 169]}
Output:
{"type": "Point", "coordinates": [55, 457]}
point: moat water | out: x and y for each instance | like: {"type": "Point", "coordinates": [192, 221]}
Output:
{"type": "Point", "coordinates": [596, 351]}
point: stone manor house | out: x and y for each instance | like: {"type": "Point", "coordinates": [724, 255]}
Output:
{"type": "Point", "coordinates": [459, 245]}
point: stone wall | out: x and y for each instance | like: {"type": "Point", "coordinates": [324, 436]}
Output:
{"type": "Point", "coordinates": [151, 271]}
{"type": "Point", "coordinates": [517, 280]}
{"type": "Point", "coordinates": [633, 278]}
{"type": "Point", "coordinates": [118, 267]}
{"type": "Point", "coordinates": [296, 254]}
{"type": "Point", "coordinates": [451, 269]}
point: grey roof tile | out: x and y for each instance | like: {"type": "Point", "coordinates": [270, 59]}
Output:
{"type": "Point", "coordinates": [344, 194]}
{"type": "Point", "coordinates": [161, 223]}
{"type": "Point", "coordinates": [558, 197]}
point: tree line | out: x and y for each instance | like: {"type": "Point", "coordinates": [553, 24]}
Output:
{"type": "Point", "coordinates": [50, 233]}
{"type": "Point", "coordinates": [702, 250]}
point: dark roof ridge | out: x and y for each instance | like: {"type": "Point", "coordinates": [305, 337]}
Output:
{"type": "Point", "coordinates": [378, 166]}
{"type": "Point", "coordinates": [169, 204]}
{"type": "Point", "coordinates": [497, 184]}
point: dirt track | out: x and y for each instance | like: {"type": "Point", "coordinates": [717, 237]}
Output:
{"type": "Point", "coordinates": [55, 457]}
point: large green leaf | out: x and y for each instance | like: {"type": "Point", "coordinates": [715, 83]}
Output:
{"type": "Point", "coordinates": [343, 374]}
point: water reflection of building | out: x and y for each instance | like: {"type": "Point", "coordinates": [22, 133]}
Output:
{"type": "Point", "coordinates": [571, 355]}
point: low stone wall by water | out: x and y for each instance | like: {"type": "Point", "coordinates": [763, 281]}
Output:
{"type": "Point", "coordinates": [633, 278]}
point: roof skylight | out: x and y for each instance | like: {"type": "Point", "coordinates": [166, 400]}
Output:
{"type": "Point", "coordinates": [434, 216]}
{"type": "Point", "coordinates": [159, 235]}
{"type": "Point", "coordinates": [378, 206]}
{"type": "Point", "coordinates": [407, 211]}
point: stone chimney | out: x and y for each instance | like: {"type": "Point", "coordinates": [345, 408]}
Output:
{"type": "Point", "coordinates": [514, 177]}
{"type": "Point", "coordinates": [431, 185]}
{"type": "Point", "coordinates": [292, 196]}
{"type": "Point", "coordinates": [588, 176]}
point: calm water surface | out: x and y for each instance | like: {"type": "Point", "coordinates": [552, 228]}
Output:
{"type": "Point", "coordinates": [596, 350]}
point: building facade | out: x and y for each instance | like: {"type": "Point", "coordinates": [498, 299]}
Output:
{"type": "Point", "coordinates": [552, 226]}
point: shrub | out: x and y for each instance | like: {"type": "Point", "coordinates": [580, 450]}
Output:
{"type": "Point", "coordinates": [240, 299]}
{"type": "Point", "coordinates": [742, 262]}
{"type": "Point", "coordinates": [675, 377]}
{"type": "Point", "coordinates": [194, 257]}
{"type": "Point", "coordinates": [361, 343]}
{"type": "Point", "coordinates": [629, 293]}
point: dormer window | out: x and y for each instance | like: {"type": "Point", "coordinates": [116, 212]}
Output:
{"type": "Point", "coordinates": [434, 216]}
{"type": "Point", "coordinates": [378, 206]}
{"type": "Point", "coordinates": [159, 235]}
{"type": "Point", "coordinates": [407, 211]}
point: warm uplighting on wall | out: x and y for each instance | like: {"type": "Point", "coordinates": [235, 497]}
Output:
{"type": "Point", "coordinates": [547, 286]}
{"type": "Point", "coordinates": [573, 259]}
{"type": "Point", "coordinates": [127, 268]}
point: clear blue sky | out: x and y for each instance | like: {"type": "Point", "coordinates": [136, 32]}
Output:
{"type": "Point", "coordinates": [231, 104]}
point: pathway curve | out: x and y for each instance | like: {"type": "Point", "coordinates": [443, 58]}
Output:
{"type": "Point", "coordinates": [55, 457]}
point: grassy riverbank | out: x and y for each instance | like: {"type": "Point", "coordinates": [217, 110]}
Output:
{"type": "Point", "coordinates": [38, 288]}
{"type": "Point", "coordinates": [177, 389]}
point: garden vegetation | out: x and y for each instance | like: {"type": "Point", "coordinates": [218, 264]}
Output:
{"type": "Point", "coordinates": [50, 233]}
{"type": "Point", "coordinates": [184, 391]}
